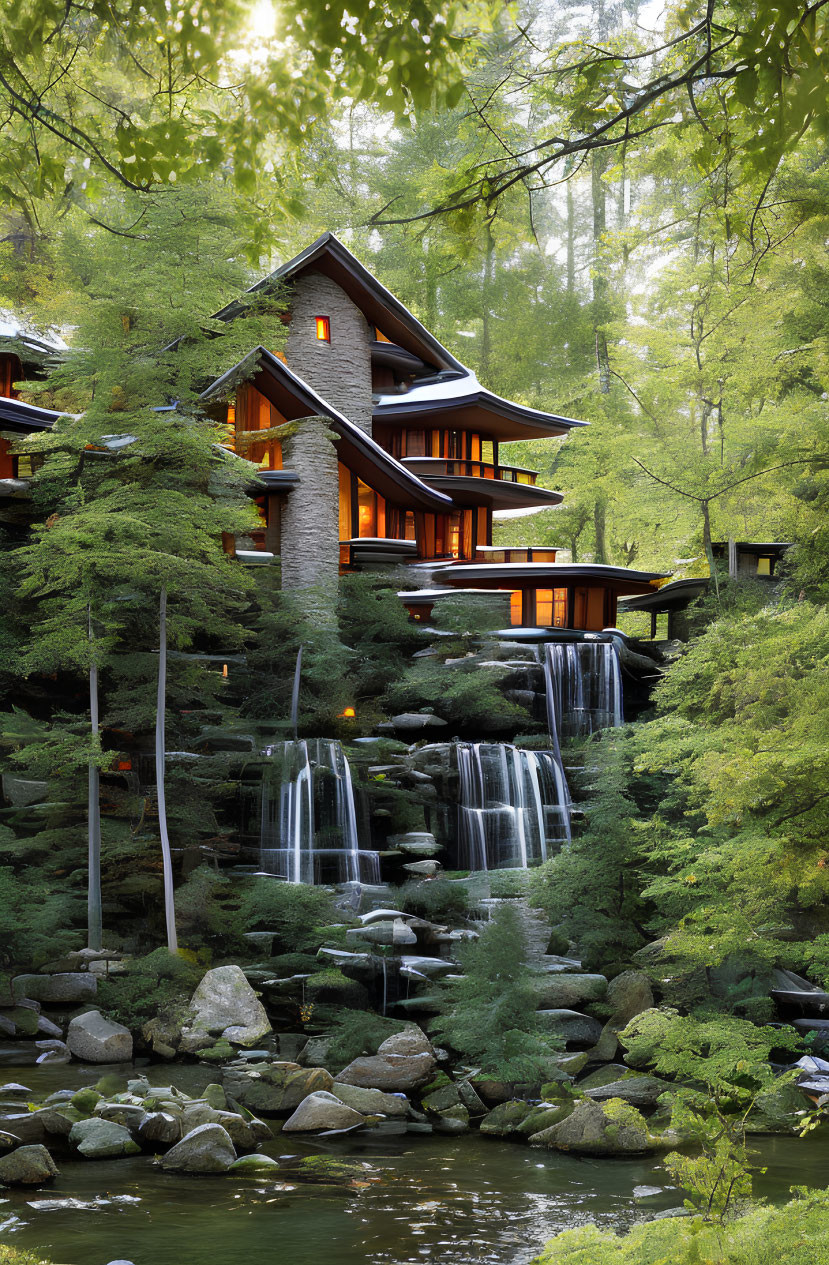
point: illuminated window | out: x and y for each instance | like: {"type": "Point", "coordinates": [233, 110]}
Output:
{"type": "Point", "coordinates": [551, 608]}
{"type": "Point", "coordinates": [323, 329]}
{"type": "Point", "coordinates": [366, 510]}
{"type": "Point", "coordinates": [516, 608]}
{"type": "Point", "coordinates": [764, 566]}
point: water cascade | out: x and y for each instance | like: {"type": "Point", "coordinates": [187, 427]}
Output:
{"type": "Point", "coordinates": [584, 687]}
{"type": "Point", "coordinates": [513, 804]}
{"type": "Point", "coordinates": [309, 816]}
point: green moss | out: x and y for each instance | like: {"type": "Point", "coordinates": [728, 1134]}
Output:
{"type": "Point", "coordinates": [85, 1099]}
{"type": "Point", "coordinates": [217, 1053]}
{"type": "Point", "coordinates": [13, 1256]}
{"type": "Point", "coordinates": [324, 1168]}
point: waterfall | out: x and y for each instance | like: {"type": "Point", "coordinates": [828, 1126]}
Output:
{"type": "Point", "coordinates": [584, 687]}
{"type": "Point", "coordinates": [309, 818]}
{"type": "Point", "coordinates": [513, 803]}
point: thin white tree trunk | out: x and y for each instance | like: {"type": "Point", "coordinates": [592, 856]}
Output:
{"type": "Point", "coordinates": [160, 740]}
{"type": "Point", "coordinates": [94, 933]}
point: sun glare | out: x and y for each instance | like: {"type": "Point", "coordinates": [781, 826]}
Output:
{"type": "Point", "coordinates": [262, 24]}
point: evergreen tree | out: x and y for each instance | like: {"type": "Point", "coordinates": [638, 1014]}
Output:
{"type": "Point", "coordinates": [489, 1014]}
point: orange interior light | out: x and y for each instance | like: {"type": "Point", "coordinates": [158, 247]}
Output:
{"type": "Point", "coordinates": [348, 713]}
{"type": "Point", "coordinates": [124, 766]}
{"type": "Point", "coordinates": [323, 329]}
{"type": "Point", "coordinates": [224, 670]}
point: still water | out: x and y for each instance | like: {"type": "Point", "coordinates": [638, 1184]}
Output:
{"type": "Point", "coordinates": [458, 1201]}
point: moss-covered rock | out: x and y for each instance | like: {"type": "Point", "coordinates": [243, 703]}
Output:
{"type": "Point", "coordinates": [505, 1118]}
{"type": "Point", "coordinates": [591, 1128]}
{"type": "Point", "coordinates": [86, 1100]}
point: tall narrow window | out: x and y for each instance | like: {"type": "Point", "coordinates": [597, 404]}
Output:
{"type": "Point", "coordinates": [323, 329]}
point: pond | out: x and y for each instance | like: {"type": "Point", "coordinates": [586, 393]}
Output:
{"type": "Point", "coordinates": [458, 1200]}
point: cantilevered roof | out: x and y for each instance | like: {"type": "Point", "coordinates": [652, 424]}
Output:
{"type": "Point", "coordinates": [669, 597]}
{"type": "Point", "coordinates": [18, 416]}
{"type": "Point", "coordinates": [463, 402]}
{"type": "Point", "coordinates": [295, 399]}
{"type": "Point", "coordinates": [329, 256]}
{"type": "Point", "coordinates": [530, 575]}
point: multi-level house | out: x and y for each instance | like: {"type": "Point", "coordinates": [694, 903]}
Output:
{"type": "Point", "coordinates": [376, 446]}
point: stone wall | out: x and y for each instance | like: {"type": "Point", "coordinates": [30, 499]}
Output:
{"type": "Point", "coordinates": [310, 517]}
{"type": "Point", "coordinates": [340, 371]}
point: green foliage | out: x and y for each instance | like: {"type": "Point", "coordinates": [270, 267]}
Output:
{"type": "Point", "coordinates": [725, 1064]}
{"type": "Point", "coordinates": [489, 1015]}
{"type": "Point", "coordinates": [295, 912]}
{"type": "Point", "coordinates": [797, 1233]}
{"type": "Point", "coordinates": [356, 1032]}
{"type": "Point", "coordinates": [465, 695]}
{"type": "Point", "coordinates": [434, 899]}
{"type": "Point", "coordinates": [591, 889]}
{"type": "Point", "coordinates": [153, 985]}
{"type": "Point", "coordinates": [376, 627]}
{"type": "Point", "coordinates": [36, 918]}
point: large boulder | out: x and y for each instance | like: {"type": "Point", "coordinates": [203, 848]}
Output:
{"type": "Point", "coordinates": [403, 1062]}
{"type": "Point", "coordinates": [67, 988]}
{"type": "Point", "coordinates": [160, 1126]}
{"type": "Point", "coordinates": [224, 1004]}
{"type": "Point", "coordinates": [505, 1118]}
{"type": "Point", "coordinates": [629, 994]}
{"type": "Point", "coordinates": [102, 1139]}
{"type": "Point", "coordinates": [96, 1039]}
{"type": "Point", "coordinates": [27, 1166]}
{"type": "Point", "coordinates": [206, 1149]}
{"type": "Point", "coordinates": [565, 991]}
{"type": "Point", "coordinates": [572, 1027]}
{"type": "Point", "coordinates": [24, 1126]}
{"type": "Point", "coordinates": [274, 1089]}
{"type": "Point", "coordinates": [320, 1112]}
{"type": "Point", "coordinates": [639, 1091]}
{"type": "Point", "coordinates": [591, 1128]}
{"type": "Point", "coordinates": [370, 1102]}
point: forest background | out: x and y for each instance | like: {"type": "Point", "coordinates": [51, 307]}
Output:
{"type": "Point", "coordinates": [615, 212]}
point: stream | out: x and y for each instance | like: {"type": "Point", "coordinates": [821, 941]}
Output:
{"type": "Point", "coordinates": [469, 1200]}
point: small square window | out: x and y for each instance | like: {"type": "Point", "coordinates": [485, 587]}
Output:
{"type": "Point", "coordinates": [323, 329]}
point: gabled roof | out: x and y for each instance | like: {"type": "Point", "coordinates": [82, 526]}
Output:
{"type": "Point", "coordinates": [466, 402]}
{"type": "Point", "coordinates": [329, 256]}
{"type": "Point", "coordinates": [295, 399]}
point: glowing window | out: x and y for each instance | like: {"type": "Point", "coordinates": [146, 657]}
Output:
{"type": "Point", "coordinates": [764, 566]}
{"type": "Point", "coordinates": [323, 329]}
{"type": "Point", "coordinates": [516, 608]}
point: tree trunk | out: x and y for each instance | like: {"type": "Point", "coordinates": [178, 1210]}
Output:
{"type": "Point", "coordinates": [600, 530]}
{"type": "Point", "coordinates": [706, 540]}
{"type": "Point", "coordinates": [94, 934]}
{"type": "Point", "coordinates": [600, 286]}
{"type": "Point", "coordinates": [486, 301]}
{"type": "Point", "coordinates": [571, 241]}
{"type": "Point", "coordinates": [160, 740]}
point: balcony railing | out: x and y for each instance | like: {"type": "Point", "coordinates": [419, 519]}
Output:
{"type": "Point", "coordinates": [430, 466]}
{"type": "Point", "coordinates": [524, 553]}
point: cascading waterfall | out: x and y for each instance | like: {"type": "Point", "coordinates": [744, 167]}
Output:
{"type": "Point", "coordinates": [513, 804]}
{"type": "Point", "coordinates": [309, 816]}
{"type": "Point", "coordinates": [584, 687]}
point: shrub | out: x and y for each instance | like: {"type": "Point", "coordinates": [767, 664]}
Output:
{"type": "Point", "coordinates": [36, 919]}
{"type": "Point", "coordinates": [433, 898]}
{"type": "Point", "coordinates": [294, 911]}
{"type": "Point", "coordinates": [159, 981]}
{"type": "Point", "coordinates": [797, 1233]}
{"type": "Point", "coordinates": [356, 1032]}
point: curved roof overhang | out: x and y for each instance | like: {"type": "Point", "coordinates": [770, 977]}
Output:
{"type": "Point", "coordinates": [535, 575]}
{"type": "Point", "coordinates": [295, 399]}
{"type": "Point", "coordinates": [496, 494]}
{"type": "Point", "coordinates": [23, 418]}
{"type": "Point", "coordinates": [669, 597]}
{"type": "Point", "coordinates": [330, 257]}
{"type": "Point", "coordinates": [472, 408]}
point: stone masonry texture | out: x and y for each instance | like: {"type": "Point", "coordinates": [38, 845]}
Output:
{"type": "Point", "coordinates": [310, 517]}
{"type": "Point", "coordinates": [340, 371]}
